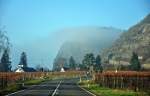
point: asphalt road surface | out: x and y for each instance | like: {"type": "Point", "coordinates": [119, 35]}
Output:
{"type": "Point", "coordinates": [62, 87]}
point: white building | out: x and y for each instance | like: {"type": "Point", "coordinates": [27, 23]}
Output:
{"type": "Point", "coordinates": [62, 70]}
{"type": "Point", "coordinates": [21, 68]}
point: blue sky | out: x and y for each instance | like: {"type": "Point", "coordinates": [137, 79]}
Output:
{"type": "Point", "coordinates": [29, 21]}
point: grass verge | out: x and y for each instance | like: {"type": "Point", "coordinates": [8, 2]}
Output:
{"type": "Point", "coordinates": [18, 86]}
{"type": "Point", "coordinates": [102, 91]}
{"type": "Point", "coordinates": [34, 81]}
{"type": "Point", "coordinates": [10, 89]}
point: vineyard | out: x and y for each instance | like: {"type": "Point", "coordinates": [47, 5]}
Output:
{"type": "Point", "coordinates": [137, 81]}
{"type": "Point", "coordinates": [7, 78]}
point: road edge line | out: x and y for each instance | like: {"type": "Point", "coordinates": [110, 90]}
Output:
{"type": "Point", "coordinates": [14, 93]}
{"type": "Point", "coordinates": [86, 90]}
{"type": "Point", "coordinates": [19, 91]}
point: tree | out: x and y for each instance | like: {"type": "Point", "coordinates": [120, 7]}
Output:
{"type": "Point", "coordinates": [59, 63]}
{"type": "Point", "coordinates": [5, 62]}
{"type": "Point", "coordinates": [23, 59]}
{"type": "Point", "coordinates": [88, 60]}
{"type": "Point", "coordinates": [110, 56]}
{"type": "Point", "coordinates": [98, 65]}
{"type": "Point", "coordinates": [4, 49]}
{"type": "Point", "coordinates": [135, 63]}
{"type": "Point", "coordinates": [4, 40]}
{"type": "Point", "coordinates": [82, 67]}
{"type": "Point", "coordinates": [72, 63]}
{"type": "Point", "coordinates": [39, 68]}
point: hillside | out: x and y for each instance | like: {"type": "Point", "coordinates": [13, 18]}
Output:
{"type": "Point", "coordinates": [90, 40]}
{"type": "Point", "coordinates": [136, 39]}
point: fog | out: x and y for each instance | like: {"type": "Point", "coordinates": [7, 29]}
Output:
{"type": "Point", "coordinates": [43, 50]}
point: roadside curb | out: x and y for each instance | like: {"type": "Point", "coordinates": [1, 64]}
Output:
{"type": "Point", "coordinates": [86, 90]}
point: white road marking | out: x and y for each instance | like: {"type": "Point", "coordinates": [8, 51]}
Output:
{"type": "Point", "coordinates": [20, 90]}
{"type": "Point", "coordinates": [14, 93]}
{"type": "Point", "coordinates": [56, 89]}
{"type": "Point", "coordinates": [87, 91]}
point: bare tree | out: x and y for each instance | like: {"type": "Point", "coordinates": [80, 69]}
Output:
{"type": "Point", "coordinates": [4, 50]}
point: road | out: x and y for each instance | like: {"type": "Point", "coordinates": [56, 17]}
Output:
{"type": "Point", "coordinates": [62, 87]}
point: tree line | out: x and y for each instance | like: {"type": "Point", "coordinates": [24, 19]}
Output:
{"type": "Point", "coordinates": [5, 62]}
{"type": "Point", "coordinates": [89, 62]}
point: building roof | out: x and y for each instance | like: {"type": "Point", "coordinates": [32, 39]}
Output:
{"type": "Point", "coordinates": [29, 69]}
{"type": "Point", "coordinates": [25, 69]}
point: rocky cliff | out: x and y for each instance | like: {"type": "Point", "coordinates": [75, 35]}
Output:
{"type": "Point", "coordinates": [135, 39]}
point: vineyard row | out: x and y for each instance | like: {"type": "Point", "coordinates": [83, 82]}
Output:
{"type": "Point", "coordinates": [124, 80]}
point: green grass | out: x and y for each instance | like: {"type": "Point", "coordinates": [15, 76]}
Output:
{"type": "Point", "coordinates": [33, 82]}
{"type": "Point", "coordinates": [11, 88]}
{"type": "Point", "coordinates": [102, 91]}
{"type": "Point", "coordinates": [18, 86]}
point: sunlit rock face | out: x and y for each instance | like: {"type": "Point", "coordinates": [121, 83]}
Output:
{"type": "Point", "coordinates": [135, 39]}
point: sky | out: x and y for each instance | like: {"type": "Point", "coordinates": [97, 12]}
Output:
{"type": "Point", "coordinates": [32, 25]}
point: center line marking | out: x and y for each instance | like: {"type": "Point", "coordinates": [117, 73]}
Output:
{"type": "Point", "coordinates": [56, 89]}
